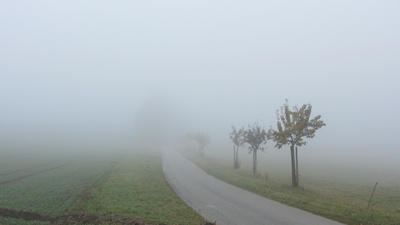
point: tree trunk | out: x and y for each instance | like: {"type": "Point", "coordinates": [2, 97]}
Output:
{"type": "Point", "coordinates": [234, 156]}
{"type": "Point", "coordinates": [294, 183]}
{"type": "Point", "coordinates": [254, 162]}
{"type": "Point", "coordinates": [237, 157]}
{"type": "Point", "coordinates": [297, 169]}
{"type": "Point", "coordinates": [201, 150]}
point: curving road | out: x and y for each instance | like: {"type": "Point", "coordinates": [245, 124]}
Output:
{"type": "Point", "coordinates": [223, 203]}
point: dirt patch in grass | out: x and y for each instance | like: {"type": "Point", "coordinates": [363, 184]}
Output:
{"type": "Point", "coordinates": [83, 218]}
{"type": "Point", "coordinates": [71, 218]}
{"type": "Point", "coordinates": [96, 219]}
{"type": "Point", "coordinates": [19, 214]}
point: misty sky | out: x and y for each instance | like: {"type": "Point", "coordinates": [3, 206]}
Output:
{"type": "Point", "coordinates": [96, 67]}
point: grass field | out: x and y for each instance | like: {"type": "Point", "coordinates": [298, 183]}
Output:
{"type": "Point", "coordinates": [342, 202]}
{"type": "Point", "coordinates": [46, 184]}
{"type": "Point", "coordinates": [137, 188]}
{"type": "Point", "coordinates": [44, 188]}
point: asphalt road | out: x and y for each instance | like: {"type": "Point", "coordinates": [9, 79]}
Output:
{"type": "Point", "coordinates": [223, 203]}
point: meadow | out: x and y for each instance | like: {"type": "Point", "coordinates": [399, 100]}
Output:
{"type": "Point", "coordinates": [340, 201]}
{"type": "Point", "coordinates": [47, 184]}
{"type": "Point", "coordinates": [136, 187]}
{"type": "Point", "coordinates": [97, 187]}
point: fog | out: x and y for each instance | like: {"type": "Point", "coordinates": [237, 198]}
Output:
{"type": "Point", "coordinates": [107, 74]}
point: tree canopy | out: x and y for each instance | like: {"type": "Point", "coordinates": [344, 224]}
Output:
{"type": "Point", "coordinates": [255, 136]}
{"type": "Point", "coordinates": [294, 125]}
{"type": "Point", "coordinates": [237, 136]}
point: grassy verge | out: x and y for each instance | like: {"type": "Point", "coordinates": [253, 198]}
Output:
{"type": "Point", "coordinates": [136, 187]}
{"type": "Point", "coordinates": [330, 200]}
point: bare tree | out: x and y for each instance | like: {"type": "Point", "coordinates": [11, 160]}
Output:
{"type": "Point", "coordinates": [292, 127]}
{"type": "Point", "coordinates": [202, 140]}
{"type": "Point", "coordinates": [256, 136]}
{"type": "Point", "coordinates": [238, 140]}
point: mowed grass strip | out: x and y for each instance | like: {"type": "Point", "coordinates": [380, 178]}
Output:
{"type": "Point", "coordinates": [338, 205]}
{"type": "Point", "coordinates": [136, 187]}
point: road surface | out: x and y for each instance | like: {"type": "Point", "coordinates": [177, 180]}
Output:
{"type": "Point", "coordinates": [225, 204]}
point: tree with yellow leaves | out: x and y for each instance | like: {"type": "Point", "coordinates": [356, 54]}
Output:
{"type": "Point", "coordinates": [293, 126]}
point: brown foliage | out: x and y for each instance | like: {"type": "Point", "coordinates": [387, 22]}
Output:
{"type": "Point", "coordinates": [294, 125]}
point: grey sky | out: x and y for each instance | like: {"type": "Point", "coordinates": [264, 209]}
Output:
{"type": "Point", "coordinates": [80, 67]}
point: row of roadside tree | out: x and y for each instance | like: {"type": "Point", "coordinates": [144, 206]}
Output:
{"type": "Point", "coordinates": [294, 125]}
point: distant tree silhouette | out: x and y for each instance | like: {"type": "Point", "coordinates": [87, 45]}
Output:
{"type": "Point", "coordinates": [255, 136]}
{"type": "Point", "coordinates": [202, 140]}
{"type": "Point", "coordinates": [292, 127]}
{"type": "Point", "coordinates": [238, 140]}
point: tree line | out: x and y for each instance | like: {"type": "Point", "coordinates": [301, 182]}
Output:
{"type": "Point", "coordinates": [200, 138]}
{"type": "Point", "coordinates": [294, 125]}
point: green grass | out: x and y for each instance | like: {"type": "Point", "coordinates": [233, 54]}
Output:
{"type": "Point", "coordinates": [136, 187]}
{"type": "Point", "coordinates": [122, 184]}
{"type": "Point", "coordinates": [51, 192]}
{"type": "Point", "coordinates": [341, 202]}
{"type": "Point", "coordinates": [54, 190]}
